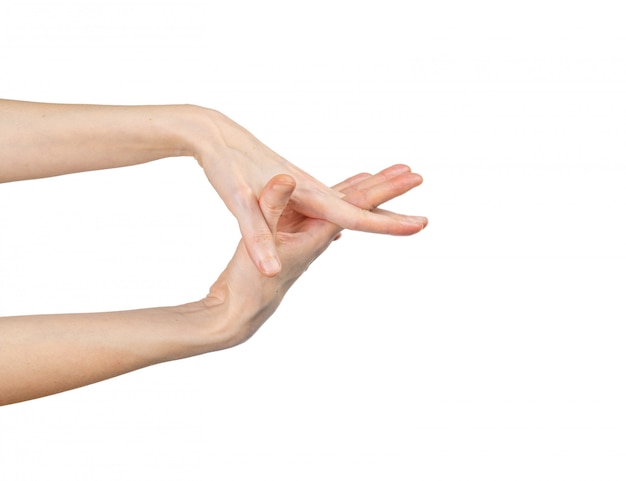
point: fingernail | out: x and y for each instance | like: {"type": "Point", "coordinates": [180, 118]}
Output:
{"type": "Point", "coordinates": [284, 186]}
{"type": "Point", "coordinates": [270, 266]}
{"type": "Point", "coordinates": [418, 219]}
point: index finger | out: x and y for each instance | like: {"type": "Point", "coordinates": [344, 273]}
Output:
{"type": "Point", "coordinates": [357, 210]}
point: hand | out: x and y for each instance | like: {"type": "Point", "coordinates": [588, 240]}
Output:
{"type": "Point", "coordinates": [238, 166]}
{"type": "Point", "coordinates": [235, 162]}
{"type": "Point", "coordinates": [38, 357]}
{"type": "Point", "coordinates": [251, 297]}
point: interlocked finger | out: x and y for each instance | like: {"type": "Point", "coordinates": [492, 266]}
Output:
{"type": "Point", "coordinates": [370, 196]}
{"type": "Point", "coordinates": [274, 198]}
{"type": "Point", "coordinates": [361, 181]}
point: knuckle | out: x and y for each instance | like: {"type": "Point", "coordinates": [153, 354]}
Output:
{"type": "Point", "coordinates": [362, 200]}
{"type": "Point", "coordinates": [262, 238]}
{"type": "Point", "coordinates": [243, 198]}
{"type": "Point", "coordinates": [272, 207]}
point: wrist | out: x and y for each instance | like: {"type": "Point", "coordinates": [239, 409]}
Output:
{"type": "Point", "coordinates": [206, 326]}
{"type": "Point", "coordinates": [197, 130]}
{"type": "Point", "coordinates": [224, 319]}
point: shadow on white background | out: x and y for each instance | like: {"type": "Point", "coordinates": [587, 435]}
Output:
{"type": "Point", "coordinates": [489, 346]}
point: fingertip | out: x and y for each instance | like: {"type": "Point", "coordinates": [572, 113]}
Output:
{"type": "Point", "coordinates": [394, 170]}
{"type": "Point", "coordinates": [263, 253]}
{"type": "Point", "coordinates": [401, 168]}
{"type": "Point", "coordinates": [418, 220]}
{"type": "Point", "coordinates": [283, 183]}
{"type": "Point", "coordinates": [416, 224]}
{"type": "Point", "coordinates": [269, 267]}
{"type": "Point", "coordinates": [417, 178]}
{"type": "Point", "coordinates": [259, 243]}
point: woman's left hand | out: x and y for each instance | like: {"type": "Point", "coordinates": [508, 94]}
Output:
{"type": "Point", "coordinates": [245, 296]}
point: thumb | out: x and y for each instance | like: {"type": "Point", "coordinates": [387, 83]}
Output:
{"type": "Point", "coordinates": [258, 227]}
{"type": "Point", "coordinates": [274, 198]}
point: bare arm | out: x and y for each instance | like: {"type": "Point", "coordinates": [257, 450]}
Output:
{"type": "Point", "coordinates": [46, 354]}
{"type": "Point", "coordinates": [42, 140]}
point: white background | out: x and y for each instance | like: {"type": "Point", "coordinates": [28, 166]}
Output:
{"type": "Point", "coordinates": [490, 346]}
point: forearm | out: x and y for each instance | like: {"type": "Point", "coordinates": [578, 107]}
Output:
{"type": "Point", "coordinates": [47, 354]}
{"type": "Point", "coordinates": [42, 140]}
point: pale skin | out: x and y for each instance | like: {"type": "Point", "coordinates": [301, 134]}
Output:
{"type": "Point", "coordinates": [44, 140]}
{"type": "Point", "coordinates": [46, 354]}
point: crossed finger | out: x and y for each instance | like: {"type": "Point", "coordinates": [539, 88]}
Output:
{"type": "Point", "coordinates": [369, 191]}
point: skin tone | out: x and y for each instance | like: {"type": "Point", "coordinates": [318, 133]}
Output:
{"type": "Point", "coordinates": [75, 138]}
{"type": "Point", "coordinates": [46, 354]}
